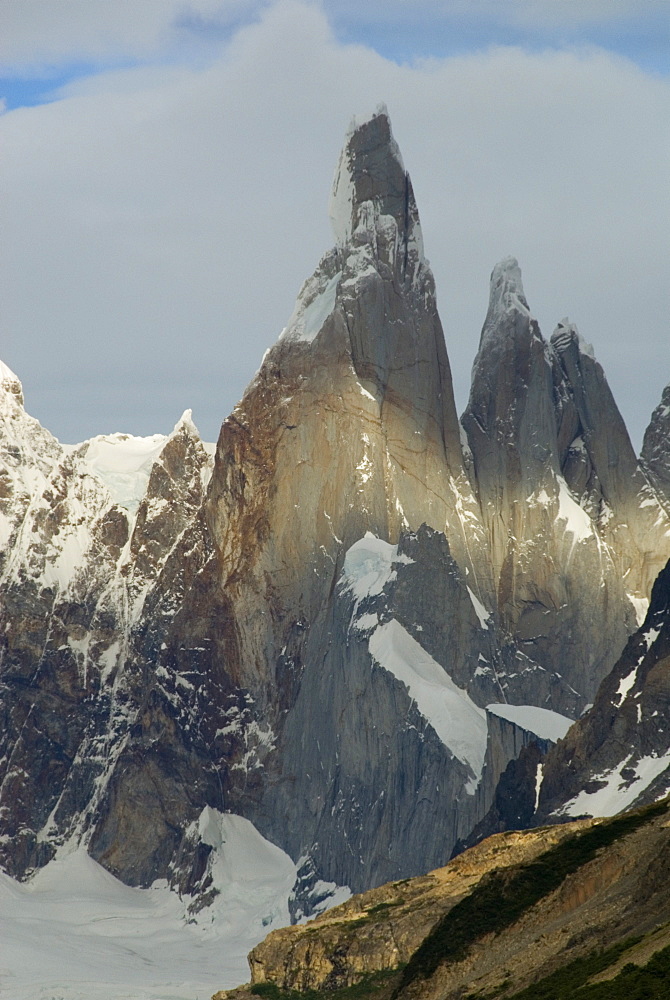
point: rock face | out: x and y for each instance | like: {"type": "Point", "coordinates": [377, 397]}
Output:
{"type": "Point", "coordinates": [349, 428]}
{"type": "Point", "coordinates": [654, 456]}
{"type": "Point", "coordinates": [311, 637]}
{"type": "Point", "coordinates": [559, 487]}
{"type": "Point", "coordinates": [97, 524]}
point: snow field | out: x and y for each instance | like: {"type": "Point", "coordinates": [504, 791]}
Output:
{"type": "Point", "coordinates": [74, 932]}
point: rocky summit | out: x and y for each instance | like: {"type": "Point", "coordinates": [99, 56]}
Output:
{"type": "Point", "coordinates": [361, 624]}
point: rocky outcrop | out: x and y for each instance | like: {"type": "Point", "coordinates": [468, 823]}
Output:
{"type": "Point", "coordinates": [497, 919]}
{"type": "Point", "coordinates": [96, 529]}
{"type": "Point", "coordinates": [381, 930]}
{"type": "Point", "coordinates": [28, 454]}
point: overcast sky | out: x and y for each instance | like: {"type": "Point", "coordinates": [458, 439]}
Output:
{"type": "Point", "coordinates": [166, 167]}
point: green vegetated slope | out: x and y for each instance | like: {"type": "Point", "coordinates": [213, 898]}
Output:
{"type": "Point", "coordinates": [458, 958]}
{"type": "Point", "coordinates": [376, 986]}
{"type": "Point", "coordinates": [502, 897]}
{"type": "Point", "coordinates": [634, 982]}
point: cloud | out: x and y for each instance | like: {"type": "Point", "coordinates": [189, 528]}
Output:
{"type": "Point", "coordinates": [408, 31]}
{"type": "Point", "coordinates": [537, 12]}
{"type": "Point", "coordinates": [39, 34]}
{"type": "Point", "coordinates": [580, 12]}
{"type": "Point", "coordinates": [159, 222]}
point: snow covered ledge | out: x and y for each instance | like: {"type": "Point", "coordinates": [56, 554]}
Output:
{"type": "Point", "coordinates": [510, 729]}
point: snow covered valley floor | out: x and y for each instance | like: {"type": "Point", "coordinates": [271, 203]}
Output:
{"type": "Point", "coordinates": [74, 932]}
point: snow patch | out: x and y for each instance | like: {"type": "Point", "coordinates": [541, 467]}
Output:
{"type": "Point", "coordinates": [542, 498]}
{"type": "Point", "coordinates": [364, 467]}
{"type": "Point", "coordinates": [366, 622]}
{"type": "Point", "coordinates": [458, 722]}
{"type": "Point", "coordinates": [324, 896]}
{"type": "Point", "coordinates": [123, 463]}
{"type": "Point", "coordinates": [253, 876]}
{"type": "Point", "coordinates": [336, 893]}
{"type": "Point", "coordinates": [625, 684]}
{"type": "Point", "coordinates": [315, 304]}
{"type": "Point", "coordinates": [465, 444]}
{"type": "Point", "coordinates": [641, 605]}
{"type": "Point", "coordinates": [340, 207]}
{"type": "Point", "coordinates": [539, 721]}
{"type": "Point", "coordinates": [577, 521]}
{"type": "Point", "coordinates": [480, 610]}
{"type": "Point", "coordinates": [650, 636]}
{"type": "Point", "coordinates": [364, 392]}
{"type": "Point", "coordinates": [539, 774]}
{"type": "Point", "coordinates": [68, 555]}
{"type": "Point", "coordinates": [618, 793]}
{"type": "Point", "coordinates": [368, 566]}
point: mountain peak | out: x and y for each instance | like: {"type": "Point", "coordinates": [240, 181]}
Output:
{"type": "Point", "coordinates": [185, 423]}
{"type": "Point", "coordinates": [507, 294]}
{"type": "Point", "coordinates": [10, 383]}
{"type": "Point", "coordinates": [371, 181]}
{"type": "Point", "coordinates": [565, 334]}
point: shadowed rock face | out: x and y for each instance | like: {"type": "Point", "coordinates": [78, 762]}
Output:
{"type": "Point", "coordinates": [395, 335]}
{"type": "Point", "coordinates": [619, 754]}
{"type": "Point", "coordinates": [602, 470]}
{"type": "Point", "coordinates": [654, 457]}
{"type": "Point", "coordinates": [599, 465]}
{"type": "Point", "coordinates": [299, 638]}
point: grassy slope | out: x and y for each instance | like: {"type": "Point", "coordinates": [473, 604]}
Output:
{"type": "Point", "coordinates": [497, 902]}
{"type": "Point", "coordinates": [649, 982]}
{"type": "Point", "coordinates": [503, 896]}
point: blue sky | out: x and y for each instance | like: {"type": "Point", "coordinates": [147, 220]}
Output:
{"type": "Point", "coordinates": [638, 31]}
{"type": "Point", "coordinates": [166, 167]}
{"type": "Point", "coordinates": [48, 42]}
{"type": "Point", "coordinates": [402, 30]}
